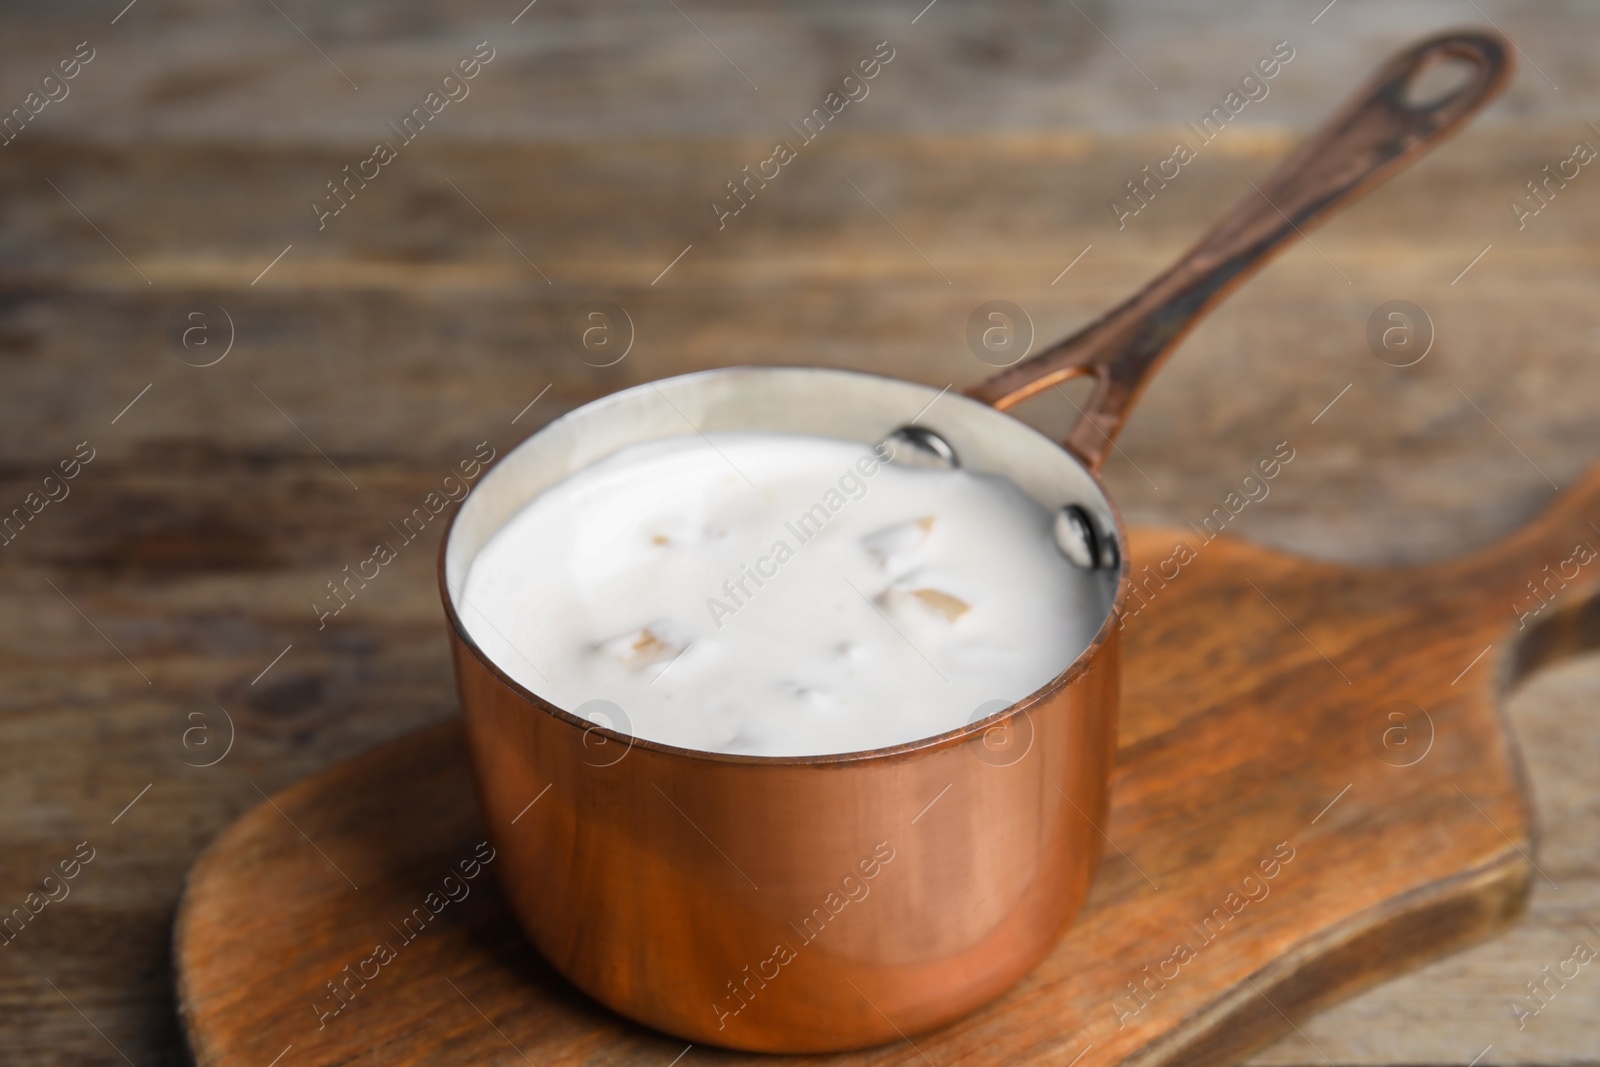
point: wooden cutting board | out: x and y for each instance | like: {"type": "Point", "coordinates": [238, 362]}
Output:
{"type": "Point", "coordinates": [1315, 789]}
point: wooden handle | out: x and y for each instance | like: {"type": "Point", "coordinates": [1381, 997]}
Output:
{"type": "Point", "coordinates": [1376, 134]}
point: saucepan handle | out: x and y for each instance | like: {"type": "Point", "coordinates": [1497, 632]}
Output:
{"type": "Point", "coordinates": [1381, 130]}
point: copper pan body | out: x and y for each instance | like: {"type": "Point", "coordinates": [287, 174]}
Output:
{"type": "Point", "coordinates": [824, 903]}
{"type": "Point", "coordinates": [792, 904]}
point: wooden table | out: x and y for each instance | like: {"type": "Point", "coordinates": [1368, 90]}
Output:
{"type": "Point", "coordinates": [174, 581]}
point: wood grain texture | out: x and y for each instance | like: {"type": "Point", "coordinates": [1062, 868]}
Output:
{"type": "Point", "coordinates": [1257, 727]}
{"type": "Point", "coordinates": [206, 523]}
{"type": "Point", "coordinates": [174, 71]}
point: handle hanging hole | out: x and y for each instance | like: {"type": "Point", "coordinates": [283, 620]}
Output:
{"type": "Point", "coordinates": [1436, 82]}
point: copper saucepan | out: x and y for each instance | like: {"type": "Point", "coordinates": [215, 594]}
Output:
{"type": "Point", "coordinates": [819, 903]}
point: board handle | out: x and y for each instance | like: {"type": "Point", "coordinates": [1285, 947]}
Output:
{"type": "Point", "coordinates": [1376, 134]}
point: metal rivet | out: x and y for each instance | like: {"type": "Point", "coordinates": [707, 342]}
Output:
{"type": "Point", "coordinates": [1110, 555]}
{"type": "Point", "coordinates": [918, 446]}
{"type": "Point", "coordinates": [1078, 539]}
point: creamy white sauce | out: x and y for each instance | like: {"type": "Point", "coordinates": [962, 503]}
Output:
{"type": "Point", "coordinates": [778, 595]}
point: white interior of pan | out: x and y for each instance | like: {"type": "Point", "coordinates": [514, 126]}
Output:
{"type": "Point", "coordinates": [829, 403]}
